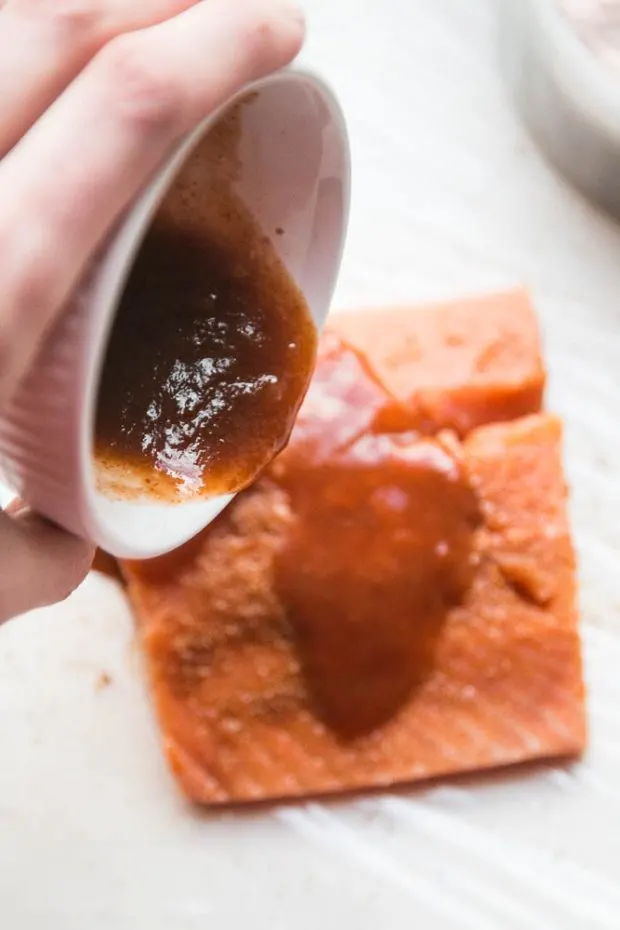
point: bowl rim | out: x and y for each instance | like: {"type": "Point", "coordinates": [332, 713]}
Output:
{"type": "Point", "coordinates": [563, 53]}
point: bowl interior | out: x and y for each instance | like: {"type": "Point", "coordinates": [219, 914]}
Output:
{"type": "Point", "coordinates": [292, 173]}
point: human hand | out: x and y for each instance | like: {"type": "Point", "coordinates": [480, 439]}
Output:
{"type": "Point", "coordinates": [94, 94]}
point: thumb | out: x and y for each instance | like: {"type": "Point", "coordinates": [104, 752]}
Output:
{"type": "Point", "coordinates": [39, 563]}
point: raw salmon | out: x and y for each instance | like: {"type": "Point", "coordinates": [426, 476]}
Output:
{"type": "Point", "coordinates": [456, 365]}
{"type": "Point", "coordinates": [378, 607]}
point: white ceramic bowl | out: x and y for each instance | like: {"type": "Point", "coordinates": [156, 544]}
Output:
{"type": "Point", "coordinates": [567, 93]}
{"type": "Point", "coordinates": [294, 175]}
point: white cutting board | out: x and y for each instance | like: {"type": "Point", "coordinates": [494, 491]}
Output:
{"type": "Point", "coordinates": [450, 197]}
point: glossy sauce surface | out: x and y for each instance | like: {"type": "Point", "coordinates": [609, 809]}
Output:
{"type": "Point", "coordinates": [381, 547]}
{"type": "Point", "coordinates": [205, 369]}
{"type": "Point", "coordinates": [212, 348]}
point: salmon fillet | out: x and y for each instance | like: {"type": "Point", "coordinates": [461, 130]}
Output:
{"type": "Point", "coordinates": [457, 365]}
{"type": "Point", "coordinates": [378, 608]}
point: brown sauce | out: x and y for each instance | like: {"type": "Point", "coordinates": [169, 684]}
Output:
{"type": "Point", "coordinates": [382, 547]}
{"type": "Point", "coordinates": [342, 403]}
{"type": "Point", "coordinates": [211, 351]}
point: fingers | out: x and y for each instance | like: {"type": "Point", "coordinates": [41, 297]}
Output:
{"type": "Point", "coordinates": [105, 136]}
{"type": "Point", "coordinates": [44, 44]}
{"type": "Point", "coordinates": [40, 563]}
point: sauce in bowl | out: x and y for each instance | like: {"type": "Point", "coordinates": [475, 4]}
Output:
{"type": "Point", "coordinates": [212, 348]}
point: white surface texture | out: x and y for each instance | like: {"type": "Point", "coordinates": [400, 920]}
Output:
{"type": "Point", "coordinates": [450, 197]}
